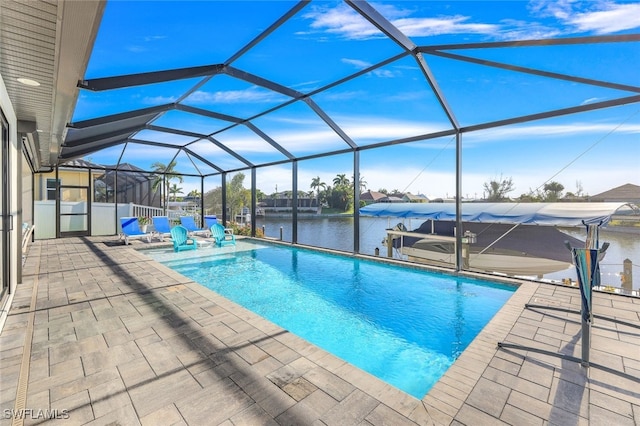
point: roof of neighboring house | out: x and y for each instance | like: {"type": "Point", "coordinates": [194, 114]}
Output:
{"type": "Point", "coordinates": [78, 162]}
{"type": "Point", "coordinates": [416, 197]}
{"type": "Point", "coordinates": [371, 195]}
{"type": "Point", "coordinates": [127, 172]}
{"type": "Point", "coordinates": [627, 192]}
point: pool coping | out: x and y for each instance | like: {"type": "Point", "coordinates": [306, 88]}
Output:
{"type": "Point", "coordinates": [78, 286]}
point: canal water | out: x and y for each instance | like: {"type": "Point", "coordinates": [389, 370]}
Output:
{"type": "Point", "coordinates": [337, 233]}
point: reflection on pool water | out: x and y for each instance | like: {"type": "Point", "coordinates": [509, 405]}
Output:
{"type": "Point", "coordinates": [403, 325]}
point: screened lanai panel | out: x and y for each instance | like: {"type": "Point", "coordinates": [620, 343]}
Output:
{"type": "Point", "coordinates": [216, 155]}
{"type": "Point", "coordinates": [201, 165]}
{"type": "Point", "coordinates": [234, 97]}
{"type": "Point", "coordinates": [424, 167]}
{"type": "Point", "coordinates": [250, 145]}
{"type": "Point", "coordinates": [190, 122]}
{"type": "Point", "coordinates": [188, 165]}
{"type": "Point", "coordinates": [106, 156]}
{"type": "Point", "coordinates": [150, 42]}
{"type": "Point", "coordinates": [392, 102]}
{"type": "Point", "coordinates": [315, 176]}
{"type": "Point", "coordinates": [163, 137]}
{"type": "Point", "coordinates": [324, 42]}
{"type": "Point", "coordinates": [144, 156]}
{"type": "Point", "coordinates": [299, 130]}
{"type": "Point", "coordinates": [97, 104]}
{"type": "Point", "coordinates": [608, 62]}
{"type": "Point", "coordinates": [480, 94]}
{"type": "Point", "coordinates": [588, 150]}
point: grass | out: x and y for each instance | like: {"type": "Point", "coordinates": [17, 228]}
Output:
{"type": "Point", "coordinates": [329, 210]}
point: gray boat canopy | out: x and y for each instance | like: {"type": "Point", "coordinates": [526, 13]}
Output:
{"type": "Point", "coordinates": [549, 214]}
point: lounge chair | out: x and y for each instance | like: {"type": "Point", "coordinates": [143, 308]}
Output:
{"type": "Point", "coordinates": [222, 236]}
{"type": "Point", "coordinates": [189, 223]}
{"type": "Point", "coordinates": [210, 220]}
{"type": "Point", "coordinates": [162, 227]}
{"type": "Point", "coordinates": [181, 239]}
{"type": "Point", "coordinates": [27, 232]}
{"type": "Point", "coordinates": [131, 229]}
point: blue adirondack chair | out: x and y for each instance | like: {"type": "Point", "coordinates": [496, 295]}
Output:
{"type": "Point", "coordinates": [181, 239]}
{"type": "Point", "coordinates": [131, 230]}
{"type": "Point", "coordinates": [221, 236]}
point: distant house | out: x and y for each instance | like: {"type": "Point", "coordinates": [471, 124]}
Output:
{"type": "Point", "coordinates": [72, 174]}
{"type": "Point", "coordinates": [283, 202]}
{"type": "Point", "coordinates": [627, 193]}
{"type": "Point", "coordinates": [411, 198]}
{"type": "Point", "coordinates": [391, 199]}
{"type": "Point", "coordinates": [370, 197]}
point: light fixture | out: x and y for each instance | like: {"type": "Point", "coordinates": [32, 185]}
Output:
{"type": "Point", "coordinates": [28, 82]}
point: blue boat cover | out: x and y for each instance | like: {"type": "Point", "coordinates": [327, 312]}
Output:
{"type": "Point", "coordinates": [551, 214]}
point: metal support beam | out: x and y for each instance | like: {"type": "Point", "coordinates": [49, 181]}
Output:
{"type": "Point", "coordinates": [254, 204]}
{"type": "Point", "coordinates": [224, 199]}
{"type": "Point", "coordinates": [459, 257]}
{"type": "Point", "coordinates": [356, 202]}
{"type": "Point", "coordinates": [294, 216]}
{"type": "Point", "coordinates": [202, 200]}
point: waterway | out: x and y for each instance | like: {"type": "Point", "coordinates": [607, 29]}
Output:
{"type": "Point", "coordinates": [337, 233]}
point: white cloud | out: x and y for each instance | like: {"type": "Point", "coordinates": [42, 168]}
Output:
{"type": "Point", "coordinates": [380, 72]}
{"type": "Point", "coordinates": [159, 100]}
{"type": "Point", "coordinates": [424, 27]}
{"type": "Point", "coordinates": [537, 131]}
{"type": "Point", "coordinates": [252, 94]}
{"type": "Point", "coordinates": [347, 23]}
{"type": "Point", "coordinates": [614, 18]}
{"type": "Point", "coordinates": [357, 63]}
{"type": "Point", "coordinates": [600, 17]}
{"type": "Point", "coordinates": [589, 101]}
{"type": "Point", "coordinates": [342, 21]}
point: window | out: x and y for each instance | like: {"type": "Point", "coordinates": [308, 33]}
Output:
{"type": "Point", "coordinates": [51, 188]}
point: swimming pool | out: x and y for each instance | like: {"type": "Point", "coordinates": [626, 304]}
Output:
{"type": "Point", "coordinates": [403, 325]}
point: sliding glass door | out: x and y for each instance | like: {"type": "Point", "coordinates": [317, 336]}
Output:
{"type": "Point", "coordinates": [5, 225]}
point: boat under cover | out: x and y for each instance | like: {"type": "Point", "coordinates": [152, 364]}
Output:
{"type": "Point", "coordinates": [511, 238]}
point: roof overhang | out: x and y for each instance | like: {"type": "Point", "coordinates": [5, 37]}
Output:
{"type": "Point", "coordinates": [59, 38]}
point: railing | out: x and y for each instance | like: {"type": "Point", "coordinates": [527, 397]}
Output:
{"type": "Point", "coordinates": [139, 210]}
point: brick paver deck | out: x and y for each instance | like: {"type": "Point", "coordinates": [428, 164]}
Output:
{"type": "Point", "coordinates": [103, 335]}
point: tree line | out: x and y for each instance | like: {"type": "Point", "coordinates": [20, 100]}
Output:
{"type": "Point", "coordinates": [498, 190]}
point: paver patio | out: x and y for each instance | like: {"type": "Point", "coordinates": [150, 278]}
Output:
{"type": "Point", "coordinates": [101, 334]}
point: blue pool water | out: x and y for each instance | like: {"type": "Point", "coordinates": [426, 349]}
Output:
{"type": "Point", "coordinates": [402, 325]}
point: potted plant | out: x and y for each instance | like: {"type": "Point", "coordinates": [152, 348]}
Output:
{"type": "Point", "coordinates": [144, 222]}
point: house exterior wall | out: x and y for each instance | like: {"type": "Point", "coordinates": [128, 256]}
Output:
{"type": "Point", "coordinates": [12, 259]}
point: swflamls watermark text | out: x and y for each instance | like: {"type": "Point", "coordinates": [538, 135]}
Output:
{"type": "Point", "coordinates": [34, 414]}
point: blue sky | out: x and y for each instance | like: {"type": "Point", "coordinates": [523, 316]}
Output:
{"type": "Point", "coordinates": [327, 41]}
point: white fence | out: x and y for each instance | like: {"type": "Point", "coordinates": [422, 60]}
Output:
{"type": "Point", "coordinates": [104, 218]}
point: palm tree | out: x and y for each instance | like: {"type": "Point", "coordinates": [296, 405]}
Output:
{"type": "Point", "coordinates": [164, 173]}
{"type": "Point", "coordinates": [316, 184]}
{"type": "Point", "coordinates": [362, 184]}
{"type": "Point", "coordinates": [553, 190]}
{"type": "Point", "coordinates": [174, 190]}
{"type": "Point", "coordinates": [341, 180]}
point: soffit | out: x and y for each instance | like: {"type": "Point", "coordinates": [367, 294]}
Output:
{"type": "Point", "coordinates": [49, 42]}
